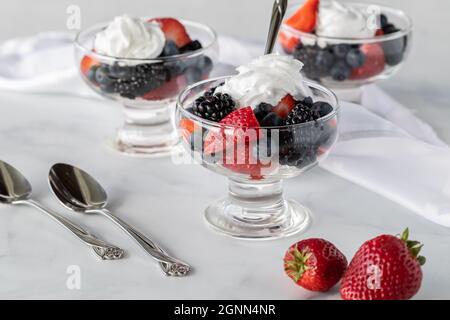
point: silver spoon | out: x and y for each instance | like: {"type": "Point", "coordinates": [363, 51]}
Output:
{"type": "Point", "coordinates": [80, 192]}
{"type": "Point", "coordinates": [278, 12]}
{"type": "Point", "coordinates": [15, 189]}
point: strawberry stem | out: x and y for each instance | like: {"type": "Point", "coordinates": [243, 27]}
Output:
{"type": "Point", "coordinates": [297, 266]}
{"type": "Point", "coordinates": [414, 246]}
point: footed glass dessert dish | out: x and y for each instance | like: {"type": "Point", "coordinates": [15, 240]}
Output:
{"type": "Point", "coordinates": [346, 45]}
{"type": "Point", "coordinates": [256, 149]}
{"type": "Point", "coordinates": [146, 87]}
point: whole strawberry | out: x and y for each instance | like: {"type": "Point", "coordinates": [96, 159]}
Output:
{"type": "Point", "coordinates": [315, 264]}
{"type": "Point", "coordinates": [384, 268]}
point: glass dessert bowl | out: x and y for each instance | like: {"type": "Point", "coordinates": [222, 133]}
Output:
{"type": "Point", "coordinates": [147, 88]}
{"type": "Point", "coordinates": [346, 46]}
{"type": "Point", "coordinates": [256, 148]}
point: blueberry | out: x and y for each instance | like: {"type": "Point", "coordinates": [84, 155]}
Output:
{"type": "Point", "coordinates": [394, 51]}
{"type": "Point", "coordinates": [91, 74]}
{"type": "Point", "coordinates": [262, 110]}
{"type": "Point", "coordinates": [324, 61]}
{"type": "Point", "coordinates": [193, 75]}
{"type": "Point", "coordinates": [341, 50]}
{"type": "Point", "coordinates": [340, 71]}
{"type": "Point", "coordinates": [102, 77]}
{"type": "Point", "coordinates": [383, 21]}
{"type": "Point", "coordinates": [119, 72]}
{"type": "Point", "coordinates": [355, 58]}
{"type": "Point", "coordinates": [321, 109]}
{"type": "Point", "coordinates": [205, 64]}
{"type": "Point", "coordinates": [170, 49]}
{"type": "Point", "coordinates": [272, 120]}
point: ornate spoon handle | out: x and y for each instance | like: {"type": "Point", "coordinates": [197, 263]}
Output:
{"type": "Point", "coordinates": [170, 265]}
{"type": "Point", "coordinates": [101, 249]}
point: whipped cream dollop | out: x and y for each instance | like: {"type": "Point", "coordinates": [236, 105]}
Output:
{"type": "Point", "coordinates": [267, 79]}
{"type": "Point", "coordinates": [129, 37]}
{"type": "Point", "coordinates": [343, 21]}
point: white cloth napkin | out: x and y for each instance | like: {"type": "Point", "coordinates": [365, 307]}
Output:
{"type": "Point", "coordinates": [382, 147]}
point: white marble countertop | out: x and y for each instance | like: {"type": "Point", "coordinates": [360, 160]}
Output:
{"type": "Point", "coordinates": [167, 201]}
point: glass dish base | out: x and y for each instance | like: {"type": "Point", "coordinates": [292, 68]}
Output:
{"type": "Point", "coordinates": [145, 151]}
{"type": "Point", "coordinates": [264, 216]}
{"type": "Point", "coordinates": [148, 131]}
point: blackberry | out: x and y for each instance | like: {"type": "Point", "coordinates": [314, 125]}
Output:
{"type": "Point", "coordinates": [390, 28]}
{"type": "Point", "coordinates": [191, 46]}
{"type": "Point", "coordinates": [297, 149]}
{"type": "Point", "coordinates": [131, 81]}
{"type": "Point", "coordinates": [214, 107]}
{"type": "Point", "coordinates": [141, 79]}
{"type": "Point", "coordinates": [300, 114]}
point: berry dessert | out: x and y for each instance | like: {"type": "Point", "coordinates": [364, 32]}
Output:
{"type": "Point", "coordinates": [258, 127]}
{"type": "Point", "coordinates": [149, 59]}
{"type": "Point", "coordinates": [268, 97]}
{"type": "Point", "coordinates": [144, 65]}
{"type": "Point", "coordinates": [340, 46]}
{"type": "Point", "coordinates": [384, 268]}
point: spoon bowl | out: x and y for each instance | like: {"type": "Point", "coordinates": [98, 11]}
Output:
{"type": "Point", "coordinates": [76, 189]}
{"type": "Point", "coordinates": [13, 184]}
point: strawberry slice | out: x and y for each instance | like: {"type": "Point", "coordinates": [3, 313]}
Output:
{"type": "Point", "coordinates": [173, 30]}
{"type": "Point", "coordinates": [168, 90]}
{"type": "Point", "coordinates": [288, 42]}
{"type": "Point", "coordinates": [87, 63]}
{"type": "Point", "coordinates": [187, 128]}
{"type": "Point", "coordinates": [375, 62]}
{"type": "Point", "coordinates": [285, 106]}
{"type": "Point", "coordinates": [306, 17]}
{"type": "Point", "coordinates": [235, 131]}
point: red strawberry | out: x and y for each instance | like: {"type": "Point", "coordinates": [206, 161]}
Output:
{"type": "Point", "coordinates": [168, 90]}
{"type": "Point", "coordinates": [174, 30]}
{"type": "Point", "coordinates": [374, 63]}
{"type": "Point", "coordinates": [305, 18]}
{"type": "Point", "coordinates": [315, 264]}
{"type": "Point", "coordinates": [87, 63]}
{"type": "Point", "coordinates": [384, 268]}
{"type": "Point", "coordinates": [244, 162]}
{"type": "Point", "coordinates": [187, 128]}
{"type": "Point", "coordinates": [227, 137]}
{"type": "Point", "coordinates": [288, 42]}
{"type": "Point", "coordinates": [285, 106]}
